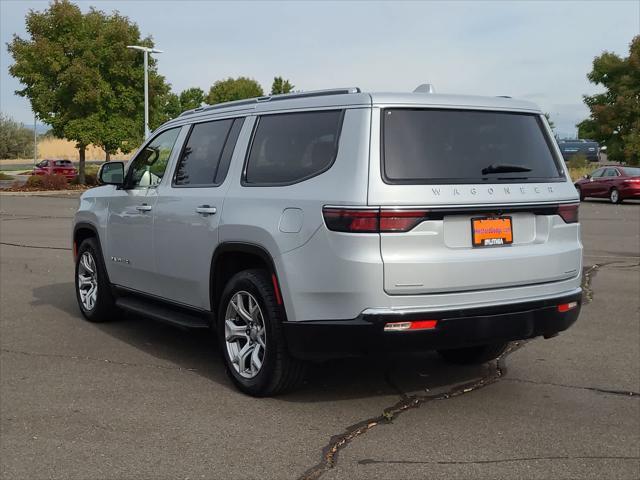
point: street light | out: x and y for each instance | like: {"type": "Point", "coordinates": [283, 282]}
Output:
{"type": "Point", "coordinates": [146, 51]}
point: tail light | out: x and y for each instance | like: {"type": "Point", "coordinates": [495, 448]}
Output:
{"type": "Point", "coordinates": [352, 220]}
{"type": "Point", "coordinates": [569, 213]}
{"type": "Point", "coordinates": [632, 180]}
{"type": "Point", "coordinates": [372, 220]}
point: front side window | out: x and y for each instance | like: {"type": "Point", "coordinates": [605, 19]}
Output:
{"type": "Point", "coordinates": [291, 147]}
{"type": "Point", "coordinates": [597, 173]}
{"type": "Point", "coordinates": [204, 156]}
{"type": "Point", "coordinates": [422, 146]}
{"type": "Point", "coordinates": [148, 168]}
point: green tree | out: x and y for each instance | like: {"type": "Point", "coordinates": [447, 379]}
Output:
{"type": "Point", "coordinates": [233, 89]}
{"type": "Point", "coordinates": [191, 98]}
{"type": "Point", "coordinates": [281, 85]}
{"type": "Point", "coordinates": [615, 113]}
{"type": "Point", "coordinates": [82, 80]}
{"type": "Point", "coordinates": [16, 140]}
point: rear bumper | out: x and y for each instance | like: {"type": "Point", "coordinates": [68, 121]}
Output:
{"type": "Point", "coordinates": [317, 340]}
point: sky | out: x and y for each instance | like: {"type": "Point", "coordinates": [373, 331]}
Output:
{"type": "Point", "coordinates": [535, 50]}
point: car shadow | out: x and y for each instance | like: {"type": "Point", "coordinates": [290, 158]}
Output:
{"type": "Point", "coordinates": [197, 351]}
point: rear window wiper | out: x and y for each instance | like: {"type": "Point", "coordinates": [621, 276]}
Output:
{"type": "Point", "coordinates": [504, 168]}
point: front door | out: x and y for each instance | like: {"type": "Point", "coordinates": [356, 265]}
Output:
{"type": "Point", "coordinates": [129, 252]}
{"type": "Point", "coordinates": [188, 210]}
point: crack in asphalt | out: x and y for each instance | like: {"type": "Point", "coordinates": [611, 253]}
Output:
{"type": "Point", "coordinates": [587, 277]}
{"type": "Point", "coordinates": [370, 461]}
{"type": "Point", "coordinates": [44, 247]}
{"type": "Point", "coordinates": [338, 442]}
{"type": "Point", "coordinates": [94, 359]}
{"type": "Point", "coordinates": [624, 393]}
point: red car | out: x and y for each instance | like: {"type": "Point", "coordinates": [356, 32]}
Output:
{"type": "Point", "coordinates": [56, 167]}
{"type": "Point", "coordinates": [612, 182]}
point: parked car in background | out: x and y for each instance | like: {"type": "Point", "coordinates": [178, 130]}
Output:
{"type": "Point", "coordinates": [572, 148]}
{"type": "Point", "coordinates": [56, 167]}
{"type": "Point", "coordinates": [614, 182]}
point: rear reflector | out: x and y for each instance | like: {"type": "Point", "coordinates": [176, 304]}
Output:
{"type": "Point", "coordinates": [413, 325]}
{"type": "Point", "coordinates": [565, 307]}
{"type": "Point", "coordinates": [569, 213]}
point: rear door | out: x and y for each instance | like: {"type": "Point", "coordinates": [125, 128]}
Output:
{"type": "Point", "coordinates": [470, 200]}
{"type": "Point", "coordinates": [188, 210]}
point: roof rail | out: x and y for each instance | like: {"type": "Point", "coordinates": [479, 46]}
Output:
{"type": "Point", "coordinates": [273, 98]}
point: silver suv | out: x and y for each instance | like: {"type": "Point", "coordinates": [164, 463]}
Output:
{"type": "Point", "coordinates": [337, 223]}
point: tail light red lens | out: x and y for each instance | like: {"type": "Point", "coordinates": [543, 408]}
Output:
{"type": "Point", "coordinates": [569, 213]}
{"type": "Point", "coordinates": [372, 220]}
{"type": "Point", "coordinates": [400, 220]}
{"type": "Point", "coordinates": [352, 220]}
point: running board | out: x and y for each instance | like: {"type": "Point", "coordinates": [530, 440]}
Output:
{"type": "Point", "coordinates": [165, 313]}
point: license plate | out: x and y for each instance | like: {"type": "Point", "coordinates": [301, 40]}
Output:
{"type": "Point", "coordinates": [491, 231]}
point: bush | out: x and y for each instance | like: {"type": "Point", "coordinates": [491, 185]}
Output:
{"type": "Point", "coordinates": [47, 182]}
{"type": "Point", "coordinates": [90, 179]}
{"type": "Point", "coordinates": [34, 181]}
{"type": "Point", "coordinates": [578, 161]}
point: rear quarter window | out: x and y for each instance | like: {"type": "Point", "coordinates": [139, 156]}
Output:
{"type": "Point", "coordinates": [431, 146]}
{"type": "Point", "coordinates": [289, 148]}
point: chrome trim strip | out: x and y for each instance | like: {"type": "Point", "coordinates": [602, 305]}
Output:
{"type": "Point", "coordinates": [412, 310]}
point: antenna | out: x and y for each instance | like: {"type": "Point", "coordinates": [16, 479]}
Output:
{"type": "Point", "coordinates": [425, 88]}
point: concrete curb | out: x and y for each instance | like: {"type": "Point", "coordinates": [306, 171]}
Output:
{"type": "Point", "coordinates": [45, 193]}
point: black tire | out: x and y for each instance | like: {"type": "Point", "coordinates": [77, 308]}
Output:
{"type": "Point", "coordinates": [614, 196]}
{"type": "Point", "coordinates": [580, 193]}
{"type": "Point", "coordinates": [280, 372]}
{"type": "Point", "coordinates": [473, 355]}
{"type": "Point", "coordinates": [104, 309]}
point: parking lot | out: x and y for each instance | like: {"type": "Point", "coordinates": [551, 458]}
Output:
{"type": "Point", "coordinates": [138, 399]}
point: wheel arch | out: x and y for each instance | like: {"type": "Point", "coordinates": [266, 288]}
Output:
{"type": "Point", "coordinates": [230, 258]}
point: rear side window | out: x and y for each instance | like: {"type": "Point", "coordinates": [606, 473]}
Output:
{"type": "Point", "coordinates": [292, 147]}
{"type": "Point", "coordinates": [433, 146]}
{"type": "Point", "coordinates": [205, 158]}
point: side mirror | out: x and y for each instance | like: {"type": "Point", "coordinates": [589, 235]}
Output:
{"type": "Point", "coordinates": [586, 176]}
{"type": "Point", "coordinates": [603, 148]}
{"type": "Point", "coordinates": [111, 173]}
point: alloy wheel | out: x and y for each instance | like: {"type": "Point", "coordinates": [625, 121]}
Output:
{"type": "Point", "coordinates": [245, 334]}
{"type": "Point", "coordinates": [87, 281]}
{"type": "Point", "coordinates": [615, 196]}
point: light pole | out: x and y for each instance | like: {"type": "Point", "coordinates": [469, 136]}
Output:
{"type": "Point", "coordinates": [35, 138]}
{"type": "Point", "coordinates": [146, 51]}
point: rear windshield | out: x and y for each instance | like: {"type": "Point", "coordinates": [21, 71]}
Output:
{"type": "Point", "coordinates": [464, 146]}
{"type": "Point", "coordinates": [631, 171]}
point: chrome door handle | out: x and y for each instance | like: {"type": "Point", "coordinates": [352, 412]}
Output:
{"type": "Point", "coordinates": [206, 210]}
{"type": "Point", "coordinates": [144, 208]}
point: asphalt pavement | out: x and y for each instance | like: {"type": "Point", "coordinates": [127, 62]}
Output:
{"type": "Point", "coordinates": [137, 399]}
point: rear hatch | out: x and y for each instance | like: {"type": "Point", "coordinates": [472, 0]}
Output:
{"type": "Point", "coordinates": [471, 200]}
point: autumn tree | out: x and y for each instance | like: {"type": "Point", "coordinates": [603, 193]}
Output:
{"type": "Point", "coordinates": [82, 80]}
{"type": "Point", "coordinates": [615, 113]}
